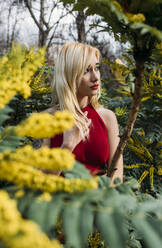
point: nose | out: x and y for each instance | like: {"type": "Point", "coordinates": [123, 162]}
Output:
{"type": "Point", "coordinates": [95, 76]}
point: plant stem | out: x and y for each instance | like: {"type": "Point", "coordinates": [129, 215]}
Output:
{"type": "Point", "coordinates": [140, 61]}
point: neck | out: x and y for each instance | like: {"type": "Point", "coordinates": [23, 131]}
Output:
{"type": "Point", "coordinates": [83, 102]}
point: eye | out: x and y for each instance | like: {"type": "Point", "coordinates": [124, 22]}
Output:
{"type": "Point", "coordinates": [98, 68]}
{"type": "Point", "coordinates": [87, 70]}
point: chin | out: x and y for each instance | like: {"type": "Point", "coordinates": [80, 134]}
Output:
{"type": "Point", "coordinates": [93, 94]}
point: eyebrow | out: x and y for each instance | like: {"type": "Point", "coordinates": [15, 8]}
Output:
{"type": "Point", "coordinates": [95, 64]}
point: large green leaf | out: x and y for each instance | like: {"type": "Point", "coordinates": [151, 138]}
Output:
{"type": "Point", "coordinates": [110, 225]}
{"type": "Point", "coordinates": [9, 140]}
{"type": "Point", "coordinates": [144, 29]}
{"type": "Point", "coordinates": [70, 221]}
{"type": "Point", "coordinates": [45, 213]}
{"type": "Point", "coordinates": [78, 171]}
{"type": "Point", "coordinates": [86, 222]}
{"type": "Point", "coordinates": [150, 235]}
{"type": "Point", "coordinates": [4, 114]}
{"type": "Point", "coordinates": [24, 201]}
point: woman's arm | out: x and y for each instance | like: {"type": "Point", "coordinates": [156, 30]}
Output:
{"type": "Point", "coordinates": [113, 138]}
{"type": "Point", "coordinates": [111, 123]}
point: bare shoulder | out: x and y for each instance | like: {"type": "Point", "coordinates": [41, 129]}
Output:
{"type": "Point", "coordinates": [51, 110]}
{"type": "Point", "coordinates": [108, 116]}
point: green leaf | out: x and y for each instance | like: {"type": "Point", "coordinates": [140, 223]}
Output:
{"type": "Point", "coordinates": [86, 223]}
{"type": "Point", "coordinates": [110, 225]}
{"type": "Point", "coordinates": [144, 28]}
{"type": "Point", "coordinates": [149, 234]}
{"type": "Point", "coordinates": [78, 171]}
{"type": "Point", "coordinates": [70, 221]}
{"type": "Point", "coordinates": [134, 244]}
{"type": "Point", "coordinates": [104, 181]}
{"type": "Point", "coordinates": [45, 213]}
{"type": "Point", "coordinates": [10, 143]}
{"type": "Point", "coordinates": [54, 210]}
{"type": "Point", "coordinates": [67, 1]}
{"type": "Point", "coordinates": [156, 224]}
{"type": "Point", "coordinates": [4, 114]}
{"type": "Point", "coordinates": [38, 216]}
{"type": "Point", "coordinates": [24, 202]}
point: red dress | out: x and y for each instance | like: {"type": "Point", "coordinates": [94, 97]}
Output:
{"type": "Point", "coordinates": [94, 152]}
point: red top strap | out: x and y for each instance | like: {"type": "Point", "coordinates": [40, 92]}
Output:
{"type": "Point", "coordinates": [94, 152]}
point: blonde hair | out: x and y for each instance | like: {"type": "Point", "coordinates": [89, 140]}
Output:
{"type": "Point", "coordinates": [70, 66]}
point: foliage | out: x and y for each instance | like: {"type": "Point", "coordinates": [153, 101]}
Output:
{"type": "Point", "coordinates": [128, 18]}
{"type": "Point", "coordinates": [17, 232]}
{"type": "Point", "coordinates": [122, 215]}
{"type": "Point", "coordinates": [93, 210]}
{"type": "Point", "coordinates": [39, 100]}
{"type": "Point", "coordinates": [143, 151]}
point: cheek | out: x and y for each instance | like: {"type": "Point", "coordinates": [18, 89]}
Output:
{"type": "Point", "coordinates": [85, 80]}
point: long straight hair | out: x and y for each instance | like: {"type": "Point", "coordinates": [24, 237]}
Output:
{"type": "Point", "coordinates": [70, 66]}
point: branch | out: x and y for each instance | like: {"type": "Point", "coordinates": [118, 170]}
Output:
{"type": "Point", "coordinates": [56, 25]}
{"type": "Point", "coordinates": [42, 14]}
{"type": "Point", "coordinates": [32, 15]}
{"type": "Point", "coordinates": [52, 9]}
{"type": "Point", "coordinates": [140, 61]}
{"type": "Point", "coordinates": [8, 26]}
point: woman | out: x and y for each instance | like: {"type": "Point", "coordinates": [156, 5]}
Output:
{"type": "Point", "coordinates": [95, 136]}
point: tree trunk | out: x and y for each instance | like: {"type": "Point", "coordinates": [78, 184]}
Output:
{"type": "Point", "coordinates": [43, 33]}
{"type": "Point", "coordinates": [81, 26]}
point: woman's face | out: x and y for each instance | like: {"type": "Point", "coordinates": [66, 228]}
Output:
{"type": "Point", "coordinates": [90, 81]}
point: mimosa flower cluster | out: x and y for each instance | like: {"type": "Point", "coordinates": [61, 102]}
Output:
{"type": "Point", "coordinates": [16, 232]}
{"type": "Point", "coordinates": [39, 83]}
{"type": "Point", "coordinates": [152, 78]}
{"type": "Point", "coordinates": [53, 159]}
{"type": "Point", "coordinates": [141, 151]}
{"type": "Point", "coordinates": [16, 70]}
{"type": "Point", "coordinates": [27, 176]}
{"type": "Point", "coordinates": [131, 16]}
{"type": "Point", "coordinates": [135, 17]}
{"type": "Point", "coordinates": [95, 241]}
{"type": "Point", "coordinates": [160, 170]}
{"type": "Point", "coordinates": [44, 125]}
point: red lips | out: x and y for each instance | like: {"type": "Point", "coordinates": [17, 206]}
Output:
{"type": "Point", "coordinates": [95, 86]}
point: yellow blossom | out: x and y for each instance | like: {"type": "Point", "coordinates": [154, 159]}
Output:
{"type": "Point", "coordinates": [132, 166]}
{"type": "Point", "coordinates": [95, 240]}
{"type": "Point", "coordinates": [19, 193]}
{"type": "Point", "coordinates": [43, 125]}
{"type": "Point", "coordinates": [8, 216]}
{"type": "Point", "coordinates": [17, 232]}
{"type": "Point", "coordinates": [117, 5]}
{"type": "Point", "coordinates": [4, 60]}
{"type": "Point", "coordinates": [44, 158]}
{"type": "Point", "coordinates": [159, 170]}
{"type": "Point", "coordinates": [39, 83]}
{"type": "Point", "coordinates": [26, 176]}
{"type": "Point", "coordinates": [120, 111]}
{"type": "Point", "coordinates": [144, 174]}
{"type": "Point", "coordinates": [135, 17]}
{"type": "Point", "coordinates": [45, 196]}
{"type": "Point", "coordinates": [16, 72]}
{"type": "Point", "coordinates": [138, 17]}
{"type": "Point", "coordinates": [152, 177]}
